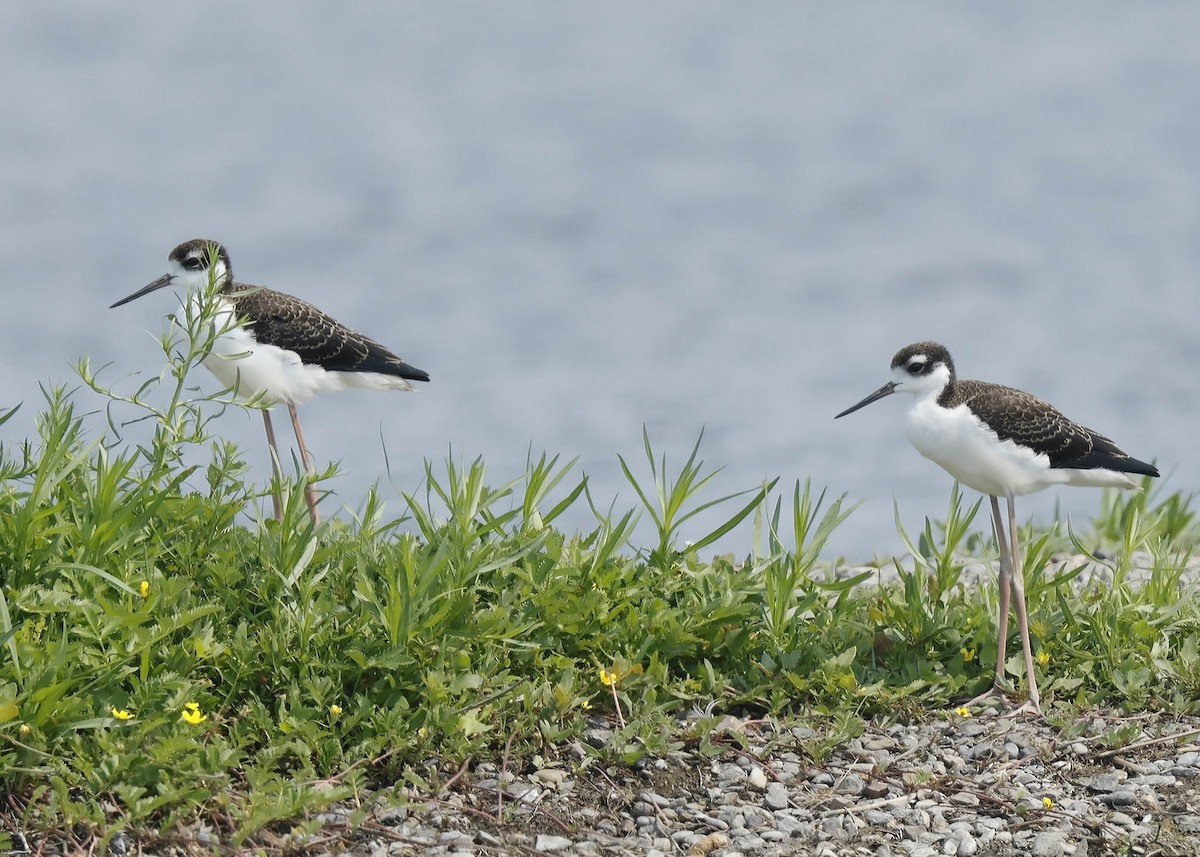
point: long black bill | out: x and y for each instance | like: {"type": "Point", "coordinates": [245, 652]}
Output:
{"type": "Point", "coordinates": [164, 280]}
{"type": "Point", "coordinates": [885, 390]}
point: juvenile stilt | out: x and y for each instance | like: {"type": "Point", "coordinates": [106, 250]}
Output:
{"type": "Point", "coordinates": [277, 348]}
{"type": "Point", "coordinates": [1001, 442]}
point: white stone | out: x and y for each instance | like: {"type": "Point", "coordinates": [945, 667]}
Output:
{"type": "Point", "coordinates": [547, 843]}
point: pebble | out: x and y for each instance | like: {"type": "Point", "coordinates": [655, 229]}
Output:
{"type": "Point", "coordinates": [1048, 843]}
{"type": "Point", "coordinates": [654, 799]}
{"type": "Point", "coordinates": [1189, 824]}
{"type": "Point", "coordinates": [548, 843]}
{"type": "Point", "coordinates": [550, 776]}
{"type": "Point", "coordinates": [1106, 782]}
{"type": "Point", "coordinates": [598, 738]}
{"type": "Point", "coordinates": [524, 792]}
{"type": "Point", "coordinates": [776, 797]}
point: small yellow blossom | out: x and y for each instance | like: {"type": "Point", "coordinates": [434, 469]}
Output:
{"type": "Point", "coordinates": [144, 589]}
{"type": "Point", "coordinates": [1047, 803]}
{"type": "Point", "coordinates": [192, 714]}
{"type": "Point", "coordinates": [24, 729]}
{"type": "Point", "coordinates": [335, 711]}
{"type": "Point", "coordinates": [585, 705]}
{"type": "Point", "coordinates": [122, 713]}
{"type": "Point", "coordinates": [1043, 658]}
{"type": "Point", "coordinates": [962, 711]}
{"type": "Point", "coordinates": [968, 655]}
{"type": "Point", "coordinates": [422, 732]}
{"type": "Point", "coordinates": [606, 678]}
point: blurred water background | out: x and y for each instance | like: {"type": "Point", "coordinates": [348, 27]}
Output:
{"type": "Point", "coordinates": [582, 219]}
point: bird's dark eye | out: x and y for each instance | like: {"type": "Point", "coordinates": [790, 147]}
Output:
{"type": "Point", "coordinates": [193, 263]}
{"type": "Point", "coordinates": [917, 367]}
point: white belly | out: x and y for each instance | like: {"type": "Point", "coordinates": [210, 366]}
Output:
{"type": "Point", "coordinates": [970, 452]}
{"type": "Point", "coordinates": [270, 374]}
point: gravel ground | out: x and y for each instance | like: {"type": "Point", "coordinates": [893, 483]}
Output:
{"type": "Point", "coordinates": [982, 785]}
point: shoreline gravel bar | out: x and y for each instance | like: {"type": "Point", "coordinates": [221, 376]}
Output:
{"type": "Point", "coordinates": [1098, 784]}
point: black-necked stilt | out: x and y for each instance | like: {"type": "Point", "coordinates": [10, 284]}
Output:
{"type": "Point", "coordinates": [1002, 442]}
{"type": "Point", "coordinates": [277, 348]}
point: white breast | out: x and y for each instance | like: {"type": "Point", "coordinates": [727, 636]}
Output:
{"type": "Point", "coordinates": [972, 453]}
{"type": "Point", "coordinates": [258, 370]}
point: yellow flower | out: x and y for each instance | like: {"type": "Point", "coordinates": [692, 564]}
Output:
{"type": "Point", "coordinates": [1043, 658]}
{"type": "Point", "coordinates": [144, 589]}
{"type": "Point", "coordinates": [968, 655]}
{"type": "Point", "coordinates": [962, 711]}
{"type": "Point", "coordinates": [335, 711]}
{"type": "Point", "coordinates": [606, 678]}
{"type": "Point", "coordinates": [122, 713]}
{"type": "Point", "coordinates": [192, 714]}
{"type": "Point", "coordinates": [1047, 803]}
{"type": "Point", "coordinates": [24, 729]}
{"type": "Point", "coordinates": [585, 705]}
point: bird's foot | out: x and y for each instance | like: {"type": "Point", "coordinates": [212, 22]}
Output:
{"type": "Point", "coordinates": [994, 692]}
{"type": "Point", "coordinates": [1028, 708]}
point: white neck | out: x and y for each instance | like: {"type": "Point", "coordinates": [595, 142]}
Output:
{"type": "Point", "coordinates": [926, 388]}
{"type": "Point", "coordinates": [195, 280]}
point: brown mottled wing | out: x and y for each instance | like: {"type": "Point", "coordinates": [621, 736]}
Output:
{"type": "Point", "coordinates": [288, 322]}
{"type": "Point", "coordinates": [1025, 419]}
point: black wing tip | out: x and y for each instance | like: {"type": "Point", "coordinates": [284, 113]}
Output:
{"type": "Point", "coordinates": [393, 365]}
{"type": "Point", "coordinates": [412, 373]}
{"type": "Point", "coordinates": [1127, 464]}
{"type": "Point", "coordinates": [1141, 467]}
{"type": "Point", "coordinates": [383, 361]}
{"type": "Point", "coordinates": [1108, 461]}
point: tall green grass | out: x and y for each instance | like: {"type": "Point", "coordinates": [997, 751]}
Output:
{"type": "Point", "coordinates": [166, 654]}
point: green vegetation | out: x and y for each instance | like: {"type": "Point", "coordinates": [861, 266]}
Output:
{"type": "Point", "coordinates": [166, 654]}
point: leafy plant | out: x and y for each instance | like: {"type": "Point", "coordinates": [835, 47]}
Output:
{"type": "Point", "coordinates": [166, 655]}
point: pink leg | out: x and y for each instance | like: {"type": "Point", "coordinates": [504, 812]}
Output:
{"type": "Point", "coordinates": [310, 492]}
{"type": "Point", "coordinates": [1006, 565]}
{"type": "Point", "coordinates": [1034, 705]}
{"type": "Point", "coordinates": [276, 500]}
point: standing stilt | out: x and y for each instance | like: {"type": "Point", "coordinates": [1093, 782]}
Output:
{"type": "Point", "coordinates": [272, 347]}
{"type": "Point", "coordinates": [1001, 442]}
